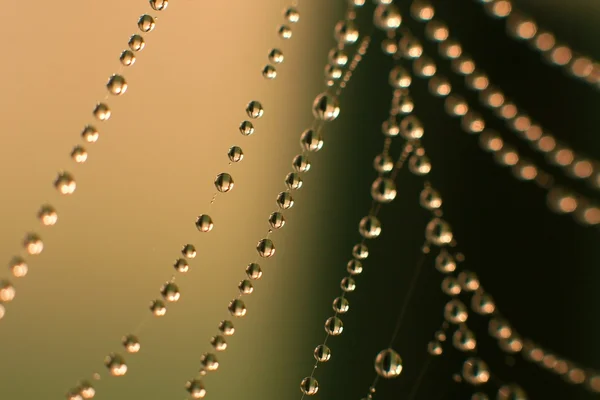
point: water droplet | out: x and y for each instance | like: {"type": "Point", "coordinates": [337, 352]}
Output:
{"type": "Point", "coordinates": [450, 286]}
{"type": "Point", "coordinates": [115, 364]}
{"type": "Point", "coordinates": [293, 181]}
{"type": "Point", "coordinates": [237, 308]}
{"type": "Point", "coordinates": [170, 292]}
{"type": "Point", "coordinates": [341, 305]}
{"type": "Point", "coordinates": [245, 287]}
{"type": "Point", "coordinates": [127, 58]}
{"type": "Point", "coordinates": [254, 109]}
{"type": "Point", "coordinates": [348, 284]}
{"type": "Point", "coordinates": [235, 154]}
{"type": "Point", "coordinates": [511, 392]}
{"type": "Point", "coordinates": [73, 394]}
{"type": "Point", "coordinates": [387, 17]}
{"type": "Point", "coordinates": [438, 232]}
{"type": "Point", "coordinates": [360, 251]}
{"type": "Point", "coordinates": [195, 388]}
{"type": "Point", "coordinates": [468, 281]}
{"type": "Point", "coordinates": [246, 128]}
{"type": "Point", "coordinates": [276, 220]}
{"type": "Point", "coordinates": [86, 390]}
{"type": "Point", "coordinates": [390, 127]}
{"type": "Point", "coordinates": [116, 85]}
{"type": "Point", "coordinates": [369, 227]}
{"type": "Point", "coordinates": [309, 386]}
{"type": "Point", "coordinates": [90, 134]}
{"type": "Point", "coordinates": [79, 154]}
{"type": "Point", "coordinates": [388, 364]}
{"type": "Point", "coordinates": [253, 271]}
{"type": "Point", "coordinates": [434, 348]}
{"type": "Point", "coordinates": [159, 5]}
{"type": "Point", "coordinates": [482, 303]}
{"type": "Point", "coordinates": [332, 73]}
{"type": "Point", "coordinates": [464, 339]}
{"type": "Point", "coordinates": [226, 327]}
{"type": "Point", "coordinates": [338, 57]}
{"type": "Point", "coordinates": [326, 107]}
{"type": "Point", "coordinates": [188, 251]}
{"type": "Point", "coordinates": [292, 15]}
{"type": "Point", "coordinates": [276, 56]}
{"type": "Point", "coordinates": [136, 43]}
{"type": "Point", "coordinates": [419, 164]}
{"type": "Point", "coordinates": [311, 140]}
{"type": "Point", "coordinates": [204, 223]}
{"type": "Point", "coordinates": [300, 163]}
{"type": "Point", "coordinates": [265, 248]}
{"type": "Point", "coordinates": [430, 199]}
{"type": "Point", "coordinates": [224, 182]}
{"type": "Point", "coordinates": [146, 23]}
{"type": "Point", "coordinates": [102, 112]}
{"type": "Point", "coordinates": [218, 342]}
{"type": "Point", "coordinates": [33, 244]}
{"type": "Point", "coordinates": [285, 200]}
{"type": "Point", "coordinates": [7, 291]}
{"type": "Point", "coordinates": [455, 312]}
{"type": "Point", "coordinates": [65, 183]}
{"type": "Point", "coordinates": [18, 267]}
{"type": "Point", "coordinates": [444, 262]}
{"type": "Point", "coordinates": [475, 371]}
{"type": "Point", "coordinates": [322, 353]}
{"type": "Point", "coordinates": [269, 72]}
{"type": "Point", "coordinates": [47, 215]}
{"type": "Point", "coordinates": [411, 128]}
{"type": "Point", "coordinates": [383, 163]}
{"type": "Point", "coordinates": [383, 190]}
{"type": "Point", "coordinates": [131, 343]}
{"type": "Point", "coordinates": [334, 326]}
{"type": "Point", "coordinates": [346, 32]}
{"type": "Point", "coordinates": [284, 32]}
{"type": "Point", "coordinates": [209, 361]}
{"type": "Point", "coordinates": [181, 265]}
{"type": "Point", "coordinates": [158, 308]}
{"type": "Point", "coordinates": [354, 267]}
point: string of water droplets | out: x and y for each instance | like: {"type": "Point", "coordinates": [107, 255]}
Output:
{"type": "Point", "coordinates": [573, 165]}
{"type": "Point", "coordinates": [523, 28]}
{"type": "Point", "coordinates": [65, 182]}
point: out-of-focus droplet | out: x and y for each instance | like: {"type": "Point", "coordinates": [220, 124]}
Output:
{"type": "Point", "coordinates": [47, 215]}
{"type": "Point", "coordinates": [158, 308]}
{"type": "Point", "coordinates": [33, 244]}
{"type": "Point", "coordinates": [276, 56]}
{"type": "Point", "coordinates": [195, 388]}
{"type": "Point", "coordinates": [102, 112]}
{"type": "Point", "coordinates": [115, 364]}
{"type": "Point", "coordinates": [18, 267]}
{"type": "Point", "coordinates": [127, 58]}
{"type": "Point", "coordinates": [188, 251]}
{"type": "Point", "coordinates": [131, 343]}
{"type": "Point", "coordinates": [170, 292]}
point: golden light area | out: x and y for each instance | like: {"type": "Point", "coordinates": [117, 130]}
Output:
{"type": "Point", "coordinates": [561, 55]}
{"type": "Point", "coordinates": [525, 171]}
{"type": "Point", "coordinates": [464, 65]}
{"type": "Point", "coordinates": [582, 169]}
{"type": "Point", "coordinates": [501, 8]}
{"type": "Point", "coordinates": [507, 156]}
{"type": "Point", "coordinates": [526, 29]}
{"type": "Point", "coordinates": [582, 67]}
{"type": "Point", "coordinates": [508, 111]}
{"type": "Point", "coordinates": [546, 143]}
{"type": "Point", "coordinates": [563, 156]}
{"type": "Point", "coordinates": [534, 132]}
{"type": "Point", "coordinates": [521, 123]}
{"type": "Point", "coordinates": [544, 41]}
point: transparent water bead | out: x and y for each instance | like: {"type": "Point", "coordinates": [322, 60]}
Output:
{"type": "Point", "coordinates": [246, 128]}
{"type": "Point", "coordinates": [430, 199]}
{"type": "Point", "coordinates": [170, 292]}
{"type": "Point", "coordinates": [7, 291]}
{"type": "Point", "coordinates": [226, 327]}
{"type": "Point", "coordinates": [468, 281]}
{"type": "Point", "coordinates": [146, 23]}
{"type": "Point", "coordinates": [115, 364]}
{"type": "Point", "coordinates": [346, 32]}
{"type": "Point", "coordinates": [322, 353]}
{"type": "Point", "coordinates": [388, 364]}
{"type": "Point", "coordinates": [86, 390]}
{"type": "Point", "coordinates": [209, 361]}
{"type": "Point", "coordinates": [158, 308]}
{"type": "Point", "coordinates": [387, 17]}
{"type": "Point", "coordinates": [254, 109]}
{"type": "Point", "coordinates": [218, 343]}
{"type": "Point", "coordinates": [195, 388]}
{"type": "Point", "coordinates": [300, 163]}
{"type": "Point", "coordinates": [445, 262]}
{"type": "Point", "coordinates": [284, 32]}
{"type": "Point", "coordinates": [291, 15]}
{"type": "Point", "coordinates": [464, 339]}
{"type": "Point", "coordinates": [311, 140]}
{"type": "Point", "coordinates": [18, 267]}
{"type": "Point", "coordinates": [265, 248]}
{"type": "Point", "coordinates": [276, 56]}
{"type": "Point", "coordinates": [309, 386]}
{"type": "Point", "coordinates": [293, 181]}
{"type": "Point", "coordinates": [354, 267]}
{"type": "Point", "coordinates": [159, 5]}
{"type": "Point", "coordinates": [47, 215]}
{"type": "Point", "coordinates": [235, 154]}
{"type": "Point", "coordinates": [360, 251]}
{"type": "Point", "coordinates": [383, 190]}
{"type": "Point", "coordinates": [338, 57]}
{"type": "Point", "coordinates": [411, 128]}
{"type": "Point", "coordinates": [450, 286]}
{"type": "Point", "coordinates": [383, 163]}
{"type": "Point", "coordinates": [245, 287]}
{"type": "Point", "coordinates": [348, 284]}
{"type": "Point", "coordinates": [341, 305]}
{"type": "Point", "coordinates": [369, 227]}
{"type": "Point", "coordinates": [127, 58]}
{"type": "Point", "coordinates": [434, 348]}
{"type": "Point", "coordinates": [65, 183]}
{"type": "Point", "coordinates": [102, 112]}
{"type": "Point", "coordinates": [204, 223]}
{"type": "Point", "coordinates": [237, 308]}
{"type": "Point", "coordinates": [482, 303]}
{"type": "Point", "coordinates": [116, 85]}
{"type": "Point", "coordinates": [181, 265]}
{"type": "Point", "coordinates": [334, 326]}
{"type": "Point", "coordinates": [276, 220]}
{"type": "Point", "coordinates": [90, 134]}
{"type": "Point", "coordinates": [136, 43]}
{"type": "Point", "coordinates": [326, 107]}
{"type": "Point", "coordinates": [189, 251]}
{"type": "Point", "coordinates": [73, 394]}
{"type": "Point", "coordinates": [285, 200]}
{"type": "Point", "coordinates": [399, 78]}
{"type": "Point", "coordinates": [79, 154]}
{"type": "Point", "coordinates": [224, 182]}
{"type": "Point", "coordinates": [455, 312]}
{"type": "Point", "coordinates": [131, 343]}
{"type": "Point", "coordinates": [438, 232]}
{"type": "Point", "coordinates": [475, 371]}
{"type": "Point", "coordinates": [419, 164]}
{"type": "Point", "coordinates": [33, 244]}
{"type": "Point", "coordinates": [253, 271]}
{"type": "Point", "coordinates": [269, 72]}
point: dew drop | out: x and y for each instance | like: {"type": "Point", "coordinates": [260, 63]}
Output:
{"type": "Point", "coordinates": [383, 163]}
{"type": "Point", "coordinates": [276, 56]}
{"type": "Point", "coordinates": [181, 265]}
{"type": "Point", "coordinates": [195, 388]}
{"type": "Point", "coordinates": [102, 112]}
{"type": "Point", "coordinates": [411, 128]}
{"type": "Point", "coordinates": [300, 163]}
{"type": "Point", "coordinates": [218, 343]}
{"type": "Point", "coordinates": [18, 267]}
{"type": "Point", "coordinates": [65, 183]}
{"type": "Point", "coordinates": [322, 353]}
{"type": "Point", "coordinates": [338, 57]}
{"type": "Point", "coordinates": [419, 164]}
{"type": "Point", "coordinates": [116, 85]}
{"type": "Point", "coordinates": [245, 287]}
{"type": "Point", "coordinates": [226, 327]}
{"type": "Point", "coordinates": [438, 232]}
{"type": "Point", "coordinates": [136, 43]}
{"type": "Point", "coordinates": [224, 182]}
{"type": "Point", "coordinates": [90, 134]}
{"type": "Point", "coordinates": [235, 154]}
{"type": "Point", "coordinates": [189, 251]}
{"type": "Point", "coordinates": [346, 32]}
{"type": "Point", "coordinates": [170, 292]}
{"type": "Point", "coordinates": [430, 199]}
{"type": "Point", "coordinates": [158, 308]}
{"type": "Point", "coordinates": [7, 291]}
{"type": "Point", "coordinates": [254, 109]}
{"type": "Point", "coordinates": [309, 386]}
{"type": "Point", "coordinates": [86, 390]}
{"type": "Point", "coordinates": [354, 267]}
{"type": "Point", "coordinates": [334, 326]}
{"type": "Point", "coordinates": [47, 215]}
{"type": "Point", "coordinates": [127, 58]}
{"type": "Point", "coordinates": [269, 72]}
{"type": "Point", "coordinates": [209, 361]}
{"type": "Point", "coordinates": [159, 5]}
{"type": "Point", "coordinates": [293, 181]}
{"type": "Point", "coordinates": [311, 140]}
{"type": "Point", "coordinates": [131, 343]}
{"type": "Point", "coordinates": [455, 312]}
{"type": "Point", "coordinates": [265, 248]}
{"type": "Point", "coordinates": [33, 244]}
{"type": "Point", "coordinates": [284, 32]}
{"type": "Point", "coordinates": [291, 15]}
{"type": "Point", "coordinates": [237, 308]}
{"type": "Point", "coordinates": [79, 154]}
{"type": "Point", "coordinates": [326, 107]}
{"type": "Point", "coordinates": [434, 348]}
{"type": "Point", "coordinates": [464, 339]}
{"type": "Point", "coordinates": [388, 364]}
{"type": "Point", "coordinates": [360, 251]}
{"type": "Point", "coordinates": [348, 284]}
{"type": "Point", "coordinates": [74, 394]}
{"type": "Point", "coordinates": [341, 305]}
{"type": "Point", "coordinates": [146, 23]}
{"type": "Point", "coordinates": [369, 227]}
{"type": "Point", "coordinates": [285, 200]}
{"type": "Point", "coordinates": [253, 271]}
{"type": "Point", "coordinates": [115, 364]}
{"type": "Point", "coordinates": [475, 371]}
{"type": "Point", "coordinates": [387, 17]}
{"type": "Point", "coordinates": [383, 190]}
{"type": "Point", "coordinates": [444, 262]}
{"type": "Point", "coordinates": [204, 223]}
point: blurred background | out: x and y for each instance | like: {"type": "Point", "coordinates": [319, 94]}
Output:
{"type": "Point", "coordinates": [152, 170]}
